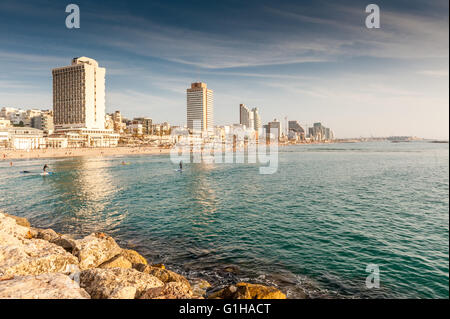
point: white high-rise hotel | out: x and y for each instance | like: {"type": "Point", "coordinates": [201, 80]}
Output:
{"type": "Point", "coordinates": [200, 108]}
{"type": "Point", "coordinates": [79, 103]}
{"type": "Point", "coordinates": [79, 95]}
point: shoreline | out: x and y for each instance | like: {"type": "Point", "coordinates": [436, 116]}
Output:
{"type": "Point", "coordinates": [38, 263]}
{"type": "Point", "coordinates": [7, 155]}
{"type": "Point", "coordinates": [13, 154]}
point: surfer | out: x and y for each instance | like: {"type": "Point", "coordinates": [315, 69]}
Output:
{"type": "Point", "coordinates": [45, 168]}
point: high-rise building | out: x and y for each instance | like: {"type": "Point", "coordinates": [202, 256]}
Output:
{"type": "Point", "coordinates": [256, 119]}
{"type": "Point", "coordinates": [79, 95]}
{"type": "Point", "coordinates": [246, 117]}
{"type": "Point", "coordinates": [200, 108]}
{"type": "Point", "coordinates": [320, 133]}
{"type": "Point", "coordinates": [275, 127]}
{"type": "Point", "coordinates": [295, 126]}
{"type": "Point", "coordinates": [296, 131]}
{"type": "Point", "coordinates": [79, 105]}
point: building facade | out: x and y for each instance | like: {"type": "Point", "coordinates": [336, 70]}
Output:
{"type": "Point", "coordinates": [22, 138]}
{"type": "Point", "coordinates": [147, 124]}
{"type": "Point", "coordinates": [44, 122]}
{"type": "Point", "coordinates": [295, 126]}
{"type": "Point", "coordinates": [256, 119]}
{"type": "Point", "coordinates": [79, 105]}
{"type": "Point", "coordinates": [246, 117]}
{"type": "Point", "coordinates": [319, 133]}
{"type": "Point", "coordinates": [119, 125]}
{"type": "Point", "coordinates": [200, 108]}
{"type": "Point", "coordinates": [79, 95]}
{"type": "Point", "coordinates": [275, 128]}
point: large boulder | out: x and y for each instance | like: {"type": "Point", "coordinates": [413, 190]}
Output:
{"type": "Point", "coordinates": [65, 241]}
{"type": "Point", "coordinates": [163, 274]}
{"type": "Point", "coordinates": [44, 286]}
{"type": "Point", "coordinates": [95, 249]}
{"type": "Point", "coordinates": [8, 239]}
{"type": "Point", "coordinates": [21, 221]}
{"type": "Point", "coordinates": [117, 283]}
{"type": "Point", "coordinates": [116, 262]}
{"type": "Point", "coordinates": [45, 234]}
{"type": "Point", "coordinates": [170, 290]}
{"type": "Point", "coordinates": [34, 257]}
{"type": "Point", "coordinates": [9, 229]}
{"type": "Point", "coordinates": [199, 287]}
{"type": "Point", "coordinates": [248, 291]}
{"type": "Point", "coordinates": [134, 257]}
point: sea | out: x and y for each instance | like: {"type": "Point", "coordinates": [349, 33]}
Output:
{"type": "Point", "coordinates": [340, 220]}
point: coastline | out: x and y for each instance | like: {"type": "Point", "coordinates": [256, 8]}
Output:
{"type": "Point", "coordinates": [40, 263]}
{"type": "Point", "coordinates": [13, 154]}
{"type": "Point", "coordinates": [75, 152]}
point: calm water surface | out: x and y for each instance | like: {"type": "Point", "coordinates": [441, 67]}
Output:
{"type": "Point", "coordinates": [312, 227]}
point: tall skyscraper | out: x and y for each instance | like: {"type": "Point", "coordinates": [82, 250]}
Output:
{"type": "Point", "coordinates": [256, 119]}
{"type": "Point", "coordinates": [296, 127]}
{"type": "Point", "coordinates": [246, 117]}
{"type": "Point", "coordinates": [200, 108]}
{"type": "Point", "coordinates": [275, 127]}
{"type": "Point", "coordinates": [79, 95]}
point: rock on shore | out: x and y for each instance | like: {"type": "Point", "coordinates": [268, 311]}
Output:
{"type": "Point", "coordinates": [41, 263]}
{"type": "Point", "coordinates": [117, 283]}
{"type": "Point", "coordinates": [95, 249]}
{"type": "Point", "coordinates": [248, 291]}
{"type": "Point", "coordinates": [45, 286]}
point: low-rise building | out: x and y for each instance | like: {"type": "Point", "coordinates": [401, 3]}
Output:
{"type": "Point", "coordinates": [135, 129]}
{"type": "Point", "coordinates": [84, 137]}
{"type": "Point", "coordinates": [56, 142]}
{"type": "Point", "coordinates": [23, 138]}
{"type": "Point", "coordinates": [44, 122]}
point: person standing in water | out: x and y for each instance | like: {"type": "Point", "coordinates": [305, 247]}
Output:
{"type": "Point", "coordinates": [181, 165]}
{"type": "Point", "coordinates": [45, 168]}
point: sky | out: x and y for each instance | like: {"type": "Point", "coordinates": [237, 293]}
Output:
{"type": "Point", "coordinates": [311, 61]}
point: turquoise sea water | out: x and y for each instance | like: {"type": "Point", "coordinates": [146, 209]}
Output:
{"type": "Point", "coordinates": [313, 227]}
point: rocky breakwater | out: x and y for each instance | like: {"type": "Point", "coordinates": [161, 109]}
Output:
{"type": "Point", "coordinates": [42, 264]}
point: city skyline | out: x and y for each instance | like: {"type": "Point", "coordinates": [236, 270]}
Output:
{"type": "Point", "coordinates": [304, 63]}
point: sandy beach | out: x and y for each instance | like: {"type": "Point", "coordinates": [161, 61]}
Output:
{"type": "Point", "coordinates": [74, 152]}
{"type": "Point", "coordinates": [11, 154]}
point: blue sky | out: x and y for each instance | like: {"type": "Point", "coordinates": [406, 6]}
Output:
{"type": "Point", "coordinates": [307, 60]}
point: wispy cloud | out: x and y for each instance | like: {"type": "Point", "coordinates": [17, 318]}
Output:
{"type": "Point", "coordinates": [308, 60]}
{"type": "Point", "coordinates": [435, 73]}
